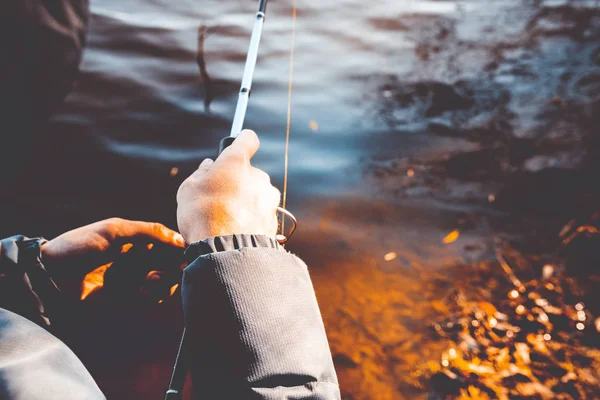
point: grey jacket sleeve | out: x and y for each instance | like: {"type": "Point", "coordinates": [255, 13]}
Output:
{"type": "Point", "coordinates": [254, 324]}
{"type": "Point", "coordinates": [34, 365]}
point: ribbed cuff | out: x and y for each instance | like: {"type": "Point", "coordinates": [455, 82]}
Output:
{"type": "Point", "coordinates": [228, 243]}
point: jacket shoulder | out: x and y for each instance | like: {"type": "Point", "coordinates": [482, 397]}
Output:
{"type": "Point", "coordinates": [36, 365]}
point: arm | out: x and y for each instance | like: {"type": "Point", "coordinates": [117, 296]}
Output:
{"type": "Point", "coordinates": [257, 331]}
{"type": "Point", "coordinates": [36, 365]}
{"type": "Point", "coordinates": [254, 326]}
{"type": "Point", "coordinates": [33, 363]}
{"type": "Point", "coordinates": [30, 267]}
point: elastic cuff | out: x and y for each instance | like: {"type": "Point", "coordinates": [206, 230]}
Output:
{"type": "Point", "coordinates": [229, 243]}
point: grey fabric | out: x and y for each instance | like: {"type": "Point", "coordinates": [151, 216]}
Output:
{"type": "Point", "coordinates": [25, 286]}
{"type": "Point", "coordinates": [229, 242]}
{"type": "Point", "coordinates": [36, 365]}
{"type": "Point", "coordinates": [33, 363]}
{"type": "Point", "coordinates": [255, 329]}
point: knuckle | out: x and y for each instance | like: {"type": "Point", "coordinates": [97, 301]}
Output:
{"type": "Point", "coordinates": [156, 229]}
{"type": "Point", "coordinates": [186, 186]}
{"type": "Point", "coordinates": [180, 191]}
{"type": "Point", "coordinates": [276, 195]}
{"type": "Point", "coordinates": [112, 226]}
{"type": "Point", "coordinates": [237, 158]}
{"type": "Point", "coordinates": [233, 155]}
{"type": "Point", "coordinates": [261, 175]}
{"type": "Point", "coordinates": [113, 223]}
{"type": "Point", "coordinates": [266, 177]}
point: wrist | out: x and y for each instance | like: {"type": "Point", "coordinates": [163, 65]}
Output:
{"type": "Point", "coordinates": [47, 258]}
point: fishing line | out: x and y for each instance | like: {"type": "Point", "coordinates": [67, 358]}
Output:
{"type": "Point", "coordinates": [288, 128]}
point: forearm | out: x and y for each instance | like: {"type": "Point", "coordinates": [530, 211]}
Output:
{"type": "Point", "coordinates": [254, 324]}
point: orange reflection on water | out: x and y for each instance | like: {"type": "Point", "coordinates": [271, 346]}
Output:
{"type": "Point", "coordinates": [451, 238]}
{"type": "Point", "coordinates": [94, 280]}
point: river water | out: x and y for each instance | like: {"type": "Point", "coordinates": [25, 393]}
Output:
{"type": "Point", "coordinates": [410, 120]}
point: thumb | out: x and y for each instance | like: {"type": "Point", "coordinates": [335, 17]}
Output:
{"type": "Point", "coordinates": [205, 165]}
{"type": "Point", "coordinates": [244, 146]}
{"type": "Point", "coordinates": [150, 232]}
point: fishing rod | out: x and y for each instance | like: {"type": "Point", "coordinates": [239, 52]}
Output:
{"type": "Point", "coordinates": [180, 370]}
{"type": "Point", "coordinates": [244, 96]}
{"type": "Point", "coordinates": [242, 105]}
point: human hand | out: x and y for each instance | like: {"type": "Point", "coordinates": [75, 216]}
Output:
{"type": "Point", "coordinates": [228, 196]}
{"type": "Point", "coordinates": [72, 255]}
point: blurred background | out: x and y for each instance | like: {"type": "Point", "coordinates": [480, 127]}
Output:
{"type": "Point", "coordinates": [444, 167]}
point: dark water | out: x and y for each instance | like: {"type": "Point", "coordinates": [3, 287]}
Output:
{"type": "Point", "coordinates": [410, 119]}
